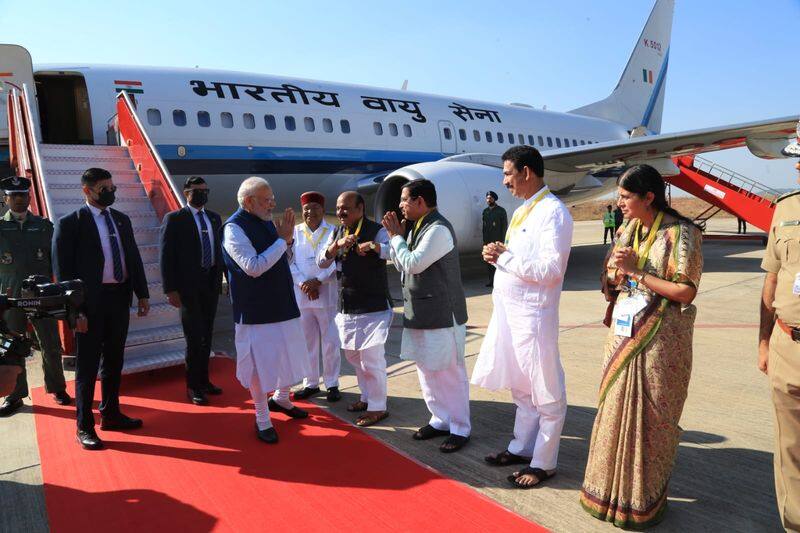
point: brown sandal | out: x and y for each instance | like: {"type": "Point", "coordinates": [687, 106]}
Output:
{"type": "Point", "coordinates": [371, 418]}
{"type": "Point", "coordinates": [357, 407]}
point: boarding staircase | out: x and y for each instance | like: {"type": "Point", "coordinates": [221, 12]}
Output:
{"type": "Point", "coordinates": [144, 192]}
{"type": "Point", "coordinates": [725, 190]}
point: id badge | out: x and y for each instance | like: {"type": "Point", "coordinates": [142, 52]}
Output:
{"type": "Point", "coordinates": [796, 285]}
{"type": "Point", "coordinates": [625, 312]}
{"type": "Point", "coordinates": [623, 325]}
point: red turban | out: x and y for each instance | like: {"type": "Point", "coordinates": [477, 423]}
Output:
{"type": "Point", "coordinates": [312, 196]}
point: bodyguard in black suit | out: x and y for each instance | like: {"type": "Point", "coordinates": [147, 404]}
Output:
{"type": "Point", "coordinates": [96, 244]}
{"type": "Point", "coordinates": [191, 273]}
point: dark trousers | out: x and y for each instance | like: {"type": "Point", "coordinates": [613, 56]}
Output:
{"type": "Point", "coordinates": [742, 227]}
{"type": "Point", "coordinates": [46, 330]}
{"type": "Point", "coordinates": [198, 309]}
{"type": "Point", "coordinates": [104, 341]}
{"type": "Point", "coordinates": [609, 232]}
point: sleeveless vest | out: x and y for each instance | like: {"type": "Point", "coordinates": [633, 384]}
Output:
{"type": "Point", "coordinates": [363, 285]}
{"type": "Point", "coordinates": [270, 297]}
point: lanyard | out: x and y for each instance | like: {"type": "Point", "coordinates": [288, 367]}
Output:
{"type": "Point", "coordinates": [356, 232]}
{"type": "Point", "coordinates": [310, 239]}
{"type": "Point", "coordinates": [651, 236]}
{"type": "Point", "coordinates": [521, 214]}
{"type": "Point", "coordinates": [415, 231]}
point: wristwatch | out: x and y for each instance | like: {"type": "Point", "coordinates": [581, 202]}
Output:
{"type": "Point", "coordinates": [372, 246]}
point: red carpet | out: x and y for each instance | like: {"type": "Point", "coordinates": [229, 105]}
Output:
{"type": "Point", "coordinates": [201, 469]}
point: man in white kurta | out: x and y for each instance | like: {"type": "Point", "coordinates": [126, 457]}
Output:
{"type": "Point", "coordinates": [270, 347]}
{"type": "Point", "coordinates": [435, 312]}
{"type": "Point", "coordinates": [360, 248]}
{"type": "Point", "coordinates": [520, 350]}
{"type": "Point", "coordinates": [316, 292]}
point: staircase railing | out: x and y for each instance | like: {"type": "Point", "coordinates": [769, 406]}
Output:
{"type": "Point", "coordinates": [155, 177]}
{"type": "Point", "coordinates": [744, 183]}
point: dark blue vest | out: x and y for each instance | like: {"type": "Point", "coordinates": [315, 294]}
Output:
{"type": "Point", "coordinates": [268, 298]}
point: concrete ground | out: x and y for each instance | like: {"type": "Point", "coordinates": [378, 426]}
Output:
{"type": "Point", "coordinates": [723, 475]}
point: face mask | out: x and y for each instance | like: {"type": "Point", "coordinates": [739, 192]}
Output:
{"type": "Point", "coordinates": [199, 197]}
{"type": "Point", "coordinates": [105, 197]}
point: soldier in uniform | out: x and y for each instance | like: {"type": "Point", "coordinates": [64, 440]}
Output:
{"type": "Point", "coordinates": [779, 347]}
{"type": "Point", "coordinates": [25, 251]}
{"type": "Point", "coordinates": [495, 224]}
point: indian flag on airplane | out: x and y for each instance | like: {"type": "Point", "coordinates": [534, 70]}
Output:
{"type": "Point", "coordinates": [647, 76]}
{"type": "Point", "coordinates": [134, 87]}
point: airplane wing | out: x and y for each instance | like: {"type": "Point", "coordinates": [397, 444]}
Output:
{"type": "Point", "coordinates": [764, 138]}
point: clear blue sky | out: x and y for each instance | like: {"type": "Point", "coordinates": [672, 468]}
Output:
{"type": "Point", "coordinates": [730, 62]}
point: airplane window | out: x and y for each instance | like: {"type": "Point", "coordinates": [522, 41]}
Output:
{"type": "Point", "coordinates": [447, 133]}
{"type": "Point", "coordinates": [249, 121]}
{"type": "Point", "coordinates": [378, 127]}
{"type": "Point", "coordinates": [269, 122]}
{"type": "Point", "coordinates": [226, 119]}
{"type": "Point", "coordinates": [521, 138]}
{"type": "Point", "coordinates": [288, 121]}
{"type": "Point", "coordinates": [510, 138]}
{"type": "Point", "coordinates": [558, 142]}
{"type": "Point", "coordinates": [309, 122]}
{"type": "Point", "coordinates": [393, 129]}
{"type": "Point", "coordinates": [499, 137]}
{"type": "Point", "coordinates": [530, 140]}
{"type": "Point", "coordinates": [345, 125]}
{"type": "Point", "coordinates": [462, 134]}
{"type": "Point", "coordinates": [541, 141]}
{"type": "Point", "coordinates": [179, 117]}
{"type": "Point", "coordinates": [477, 135]}
{"type": "Point", "coordinates": [203, 119]}
{"type": "Point", "coordinates": [566, 143]}
{"type": "Point", "coordinates": [154, 117]}
{"type": "Point", "coordinates": [407, 130]}
{"type": "Point", "coordinates": [327, 125]}
{"type": "Point", "coordinates": [488, 136]}
{"type": "Point", "coordinates": [550, 142]}
{"type": "Point", "coordinates": [583, 142]}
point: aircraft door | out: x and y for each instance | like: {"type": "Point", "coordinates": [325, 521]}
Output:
{"type": "Point", "coordinates": [16, 68]}
{"type": "Point", "coordinates": [447, 136]}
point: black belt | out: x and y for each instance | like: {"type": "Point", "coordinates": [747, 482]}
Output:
{"type": "Point", "coordinates": [793, 332]}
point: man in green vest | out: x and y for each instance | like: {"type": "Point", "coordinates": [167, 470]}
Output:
{"type": "Point", "coordinates": [24, 251]}
{"type": "Point", "coordinates": [608, 224]}
{"type": "Point", "coordinates": [495, 224]}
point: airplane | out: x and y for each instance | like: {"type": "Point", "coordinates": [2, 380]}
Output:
{"type": "Point", "coordinates": [303, 134]}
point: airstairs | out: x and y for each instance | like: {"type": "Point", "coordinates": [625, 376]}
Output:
{"type": "Point", "coordinates": [144, 193]}
{"type": "Point", "coordinates": [725, 190]}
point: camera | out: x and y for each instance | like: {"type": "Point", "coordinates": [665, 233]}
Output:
{"type": "Point", "coordinates": [39, 298]}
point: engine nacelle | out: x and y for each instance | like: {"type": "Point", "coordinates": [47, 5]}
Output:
{"type": "Point", "coordinates": [461, 194]}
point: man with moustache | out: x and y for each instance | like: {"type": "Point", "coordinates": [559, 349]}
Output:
{"type": "Point", "coordinates": [495, 223]}
{"type": "Point", "coordinates": [520, 350]}
{"type": "Point", "coordinates": [360, 248]}
{"type": "Point", "coordinates": [779, 347]}
{"type": "Point", "coordinates": [270, 348]}
{"type": "Point", "coordinates": [191, 274]}
{"type": "Point", "coordinates": [316, 292]}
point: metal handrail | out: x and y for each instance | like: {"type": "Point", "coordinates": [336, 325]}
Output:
{"type": "Point", "coordinates": [151, 147]}
{"type": "Point", "coordinates": [749, 185]}
{"type": "Point", "coordinates": [38, 168]}
{"type": "Point", "coordinates": [21, 146]}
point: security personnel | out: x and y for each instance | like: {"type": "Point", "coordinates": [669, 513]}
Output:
{"type": "Point", "coordinates": [495, 224]}
{"type": "Point", "coordinates": [24, 251]}
{"type": "Point", "coordinates": [779, 347]}
{"type": "Point", "coordinates": [608, 224]}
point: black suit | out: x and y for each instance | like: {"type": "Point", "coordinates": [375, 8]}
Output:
{"type": "Point", "coordinates": [199, 288]}
{"type": "Point", "coordinates": [78, 254]}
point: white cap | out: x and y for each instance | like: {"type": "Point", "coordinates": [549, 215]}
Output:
{"type": "Point", "coordinates": [793, 149]}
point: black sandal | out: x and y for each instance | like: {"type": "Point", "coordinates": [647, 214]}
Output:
{"type": "Point", "coordinates": [429, 432]}
{"type": "Point", "coordinates": [506, 458]}
{"type": "Point", "coordinates": [540, 474]}
{"type": "Point", "coordinates": [453, 443]}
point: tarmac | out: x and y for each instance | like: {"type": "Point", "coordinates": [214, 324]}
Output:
{"type": "Point", "coordinates": [722, 479]}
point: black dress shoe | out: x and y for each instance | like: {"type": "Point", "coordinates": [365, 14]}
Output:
{"type": "Point", "coordinates": [120, 423]}
{"type": "Point", "coordinates": [269, 435]}
{"type": "Point", "coordinates": [10, 406]}
{"type": "Point", "coordinates": [89, 440]}
{"type": "Point", "coordinates": [294, 412]}
{"type": "Point", "coordinates": [334, 395]}
{"type": "Point", "coordinates": [62, 398]}
{"type": "Point", "coordinates": [212, 389]}
{"type": "Point", "coordinates": [307, 392]}
{"type": "Point", "coordinates": [197, 397]}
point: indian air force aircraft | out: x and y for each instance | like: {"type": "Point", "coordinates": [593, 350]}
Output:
{"type": "Point", "coordinates": [303, 135]}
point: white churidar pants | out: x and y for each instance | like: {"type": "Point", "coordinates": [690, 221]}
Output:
{"type": "Point", "coordinates": [537, 429]}
{"type": "Point", "coordinates": [320, 330]}
{"type": "Point", "coordinates": [446, 393]}
{"type": "Point", "coordinates": [370, 366]}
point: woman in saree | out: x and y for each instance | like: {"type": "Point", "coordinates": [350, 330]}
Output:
{"type": "Point", "coordinates": [651, 277]}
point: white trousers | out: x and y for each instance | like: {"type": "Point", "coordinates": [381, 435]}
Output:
{"type": "Point", "coordinates": [446, 394]}
{"type": "Point", "coordinates": [537, 429]}
{"type": "Point", "coordinates": [320, 332]}
{"type": "Point", "coordinates": [261, 401]}
{"type": "Point", "coordinates": [370, 366]}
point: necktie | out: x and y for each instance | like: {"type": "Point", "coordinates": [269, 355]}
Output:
{"type": "Point", "coordinates": [204, 240]}
{"type": "Point", "coordinates": [112, 237]}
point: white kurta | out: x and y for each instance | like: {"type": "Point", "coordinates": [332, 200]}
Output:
{"type": "Point", "coordinates": [520, 350]}
{"type": "Point", "coordinates": [274, 352]}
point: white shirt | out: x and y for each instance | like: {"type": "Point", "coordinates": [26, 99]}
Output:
{"type": "Point", "coordinates": [434, 349]}
{"type": "Point", "coordinates": [105, 243]}
{"type": "Point", "coordinates": [209, 230]}
{"type": "Point", "coordinates": [304, 266]}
